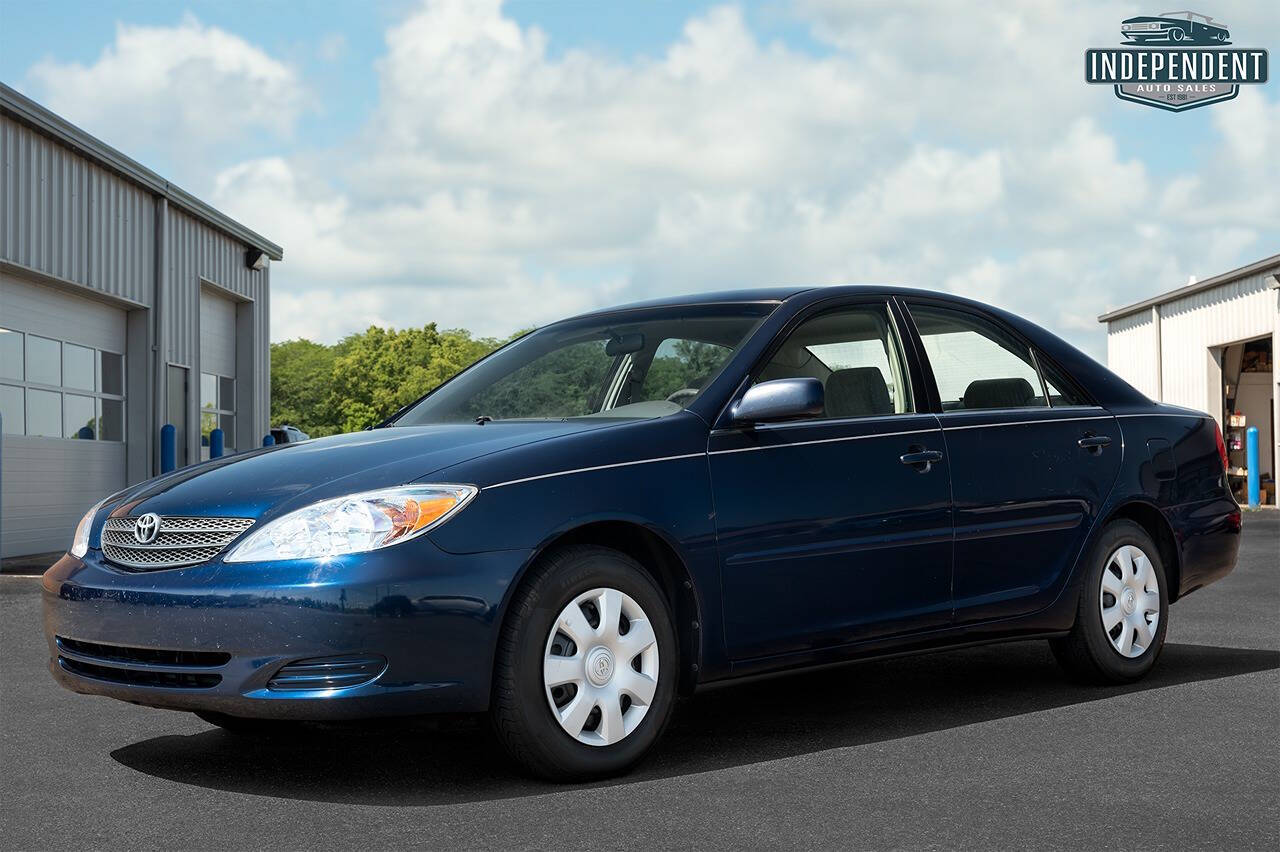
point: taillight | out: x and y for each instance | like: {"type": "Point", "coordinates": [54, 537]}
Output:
{"type": "Point", "coordinates": [1222, 445]}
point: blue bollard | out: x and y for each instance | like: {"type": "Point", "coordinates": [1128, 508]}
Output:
{"type": "Point", "coordinates": [1251, 462]}
{"type": "Point", "coordinates": [268, 440]}
{"type": "Point", "coordinates": [168, 448]}
{"type": "Point", "coordinates": [215, 444]}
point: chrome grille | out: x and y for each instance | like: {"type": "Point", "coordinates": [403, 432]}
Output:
{"type": "Point", "coordinates": [180, 541]}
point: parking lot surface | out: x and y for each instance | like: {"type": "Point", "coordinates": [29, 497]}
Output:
{"type": "Point", "coordinates": [986, 747]}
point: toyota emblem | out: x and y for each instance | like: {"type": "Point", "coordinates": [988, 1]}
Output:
{"type": "Point", "coordinates": [146, 528]}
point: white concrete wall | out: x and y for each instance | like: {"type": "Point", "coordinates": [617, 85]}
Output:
{"type": "Point", "coordinates": [1191, 327]}
{"type": "Point", "coordinates": [1131, 349]}
{"type": "Point", "coordinates": [1253, 400]}
{"type": "Point", "coordinates": [1190, 332]}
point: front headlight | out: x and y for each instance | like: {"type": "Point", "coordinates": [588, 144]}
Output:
{"type": "Point", "coordinates": [355, 523]}
{"type": "Point", "coordinates": [80, 541]}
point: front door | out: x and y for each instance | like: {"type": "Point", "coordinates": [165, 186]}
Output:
{"type": "Point", "coordinates": [1031, 462]}
{"type": "Point", "coordinates": [827, 534]}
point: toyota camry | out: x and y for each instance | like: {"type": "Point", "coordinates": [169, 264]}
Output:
{"type": "Point", "coordinates": [620, 508]}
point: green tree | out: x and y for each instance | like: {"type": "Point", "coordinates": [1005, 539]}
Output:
{"type": "Point", "coordinates": [300, 375]}
{"type": "Point", "coordinates": [382, 370]}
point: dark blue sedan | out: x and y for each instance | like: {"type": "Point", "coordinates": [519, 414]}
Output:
{"type": "Point", "coordinates": [619, 508]}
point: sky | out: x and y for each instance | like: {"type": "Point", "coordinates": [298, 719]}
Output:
{"type": "Point", "coordinates": [495, 166]}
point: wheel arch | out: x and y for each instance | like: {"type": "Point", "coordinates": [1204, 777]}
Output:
{"type": "Point", "coordinates": [1150, 518]}
{"type": "Point", "coordinates": [659, 557]}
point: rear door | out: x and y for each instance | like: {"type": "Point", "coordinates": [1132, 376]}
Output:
{"type": "Point", "coordinates": [827, 534]}
{"type": "Point", "coordinates": [1032, 460]}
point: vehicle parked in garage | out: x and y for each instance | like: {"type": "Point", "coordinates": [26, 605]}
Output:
{"type": "Point", "coordinates": [286, 434]}
{"type": "Point", "coordinates": [625, 506]}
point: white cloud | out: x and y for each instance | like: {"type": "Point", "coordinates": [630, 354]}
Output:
{"type": "Point", "coordinates": [495, 182]}
{"type": "Point", "coordinates": [498, 184]}
{"type": "Point", "coordinates": [190, 87]}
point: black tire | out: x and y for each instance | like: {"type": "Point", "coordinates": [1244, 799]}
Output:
{"type": "Point", "coordinates": [1087, 652]}
{"type": "Point", "coordinates": [520, 711]}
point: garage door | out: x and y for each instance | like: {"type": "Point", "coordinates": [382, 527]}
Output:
{"type": "Point", "coordinates": [217, 369]}
{"type": "Point", "coordinates": [62, 399]}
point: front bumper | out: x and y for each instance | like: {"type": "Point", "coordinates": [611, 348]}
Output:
{"type": "Point", "coordinates": [213, 636]}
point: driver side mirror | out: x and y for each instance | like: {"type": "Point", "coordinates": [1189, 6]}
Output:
{"type": "Point", "coordinates": [779, 400]}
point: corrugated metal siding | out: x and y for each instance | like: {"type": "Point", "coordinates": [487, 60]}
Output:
{"type": "Point", "coordinates": [68, 218]}
{"type": "Point", "coordinates": [197, 254]}
{"type": "Point", "coordinates": [1235, 311]}
{"type": "Point", "coordinates": [65, 217]}
{"type": "Point", "coordinates": [1131, 344]}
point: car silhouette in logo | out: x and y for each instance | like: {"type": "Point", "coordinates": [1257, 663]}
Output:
{"type": "Point", "coordinates": [1189, 28]}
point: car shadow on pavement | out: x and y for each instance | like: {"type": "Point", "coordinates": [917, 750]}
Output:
{"type": "Point", "coordinates": [418, 763]}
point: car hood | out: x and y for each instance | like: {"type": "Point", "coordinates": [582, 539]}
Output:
{"type": "Point", "coordinates": [274, 480]}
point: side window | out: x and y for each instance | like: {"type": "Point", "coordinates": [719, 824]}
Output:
{"type": "Point", "coordinates": [680, 369]}
{"type": "Point", "coordinates": [975, 364]}
{"type": "Point", "coordinates": [856, 355]}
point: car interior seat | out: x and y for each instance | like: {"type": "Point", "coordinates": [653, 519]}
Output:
{"type": "Point", "coordinates": [998, 393]}
{"type": "Point", "coordinates": [857, 392]}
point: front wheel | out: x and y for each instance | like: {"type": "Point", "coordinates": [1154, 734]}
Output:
{"type": "Point", "coordinates": [585, 677]}
{"type": "Point", "coordinates": [1123, 611]}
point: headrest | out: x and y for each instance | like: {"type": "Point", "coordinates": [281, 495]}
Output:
{"type": "Point", "coordinates": [857, 392]}
{"type": "Point", "coordinates": [998, 393]}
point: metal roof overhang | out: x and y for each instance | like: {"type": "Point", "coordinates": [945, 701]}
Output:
{"type": "Point", "coordinates": [29, 112]}
{"type": "Point", "coordinates": [1192, 289]}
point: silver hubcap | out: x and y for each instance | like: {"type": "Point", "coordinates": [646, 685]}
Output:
{"type": "Point", "coordinates": [1130, 601]}
{"type": "Point", "coordinates": [600, 667]}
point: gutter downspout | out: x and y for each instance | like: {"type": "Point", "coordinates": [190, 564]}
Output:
{"type": "Point", "coordinates": [160, 348]}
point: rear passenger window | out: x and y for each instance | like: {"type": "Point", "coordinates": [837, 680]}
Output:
{"type": "Point", "coordinates": [855, 353]}
{"type": "Point", "coordinates": [975, 364]}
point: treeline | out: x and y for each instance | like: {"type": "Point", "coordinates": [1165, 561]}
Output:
{"type": "Point", "coordinates": [366, 377]}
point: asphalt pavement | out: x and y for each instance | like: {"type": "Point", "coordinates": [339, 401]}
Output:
{"type": "Point", "coordinates": [988, 747]}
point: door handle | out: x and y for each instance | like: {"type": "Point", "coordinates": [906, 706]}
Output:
{"type": "Point", "coordinates": [921, 460]}
{"type": "Point", "coordinates": [1094, 443]}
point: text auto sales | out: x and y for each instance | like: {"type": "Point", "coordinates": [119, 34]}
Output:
{"type": "Point", "coordinates": [1177, 70]}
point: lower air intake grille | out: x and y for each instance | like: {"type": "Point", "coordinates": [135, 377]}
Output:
{"type": "Point", "coordinates": [139, 666]}
{"type": "Point", "coordinates": [179, 541]}
{"type": "Point", "coordinates": [327, 673]}
{"type": "Point", "coordinates": [141, 677]}
{"type": "Point", "coordinates": [152, 656]}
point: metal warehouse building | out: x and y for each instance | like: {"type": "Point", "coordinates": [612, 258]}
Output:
{"type": "Point", "coordinates": [125, 304]}
{"type": "Point", "coordinates": [1211, 345]}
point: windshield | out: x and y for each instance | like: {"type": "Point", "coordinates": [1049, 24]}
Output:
{"type": "Point", "coordinates": [634, 364]}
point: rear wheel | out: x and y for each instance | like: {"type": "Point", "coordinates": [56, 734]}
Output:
{"type": "Point", "coordinates": [1123, 611]}
{"type": "Point", "coordinates": [585, 676]}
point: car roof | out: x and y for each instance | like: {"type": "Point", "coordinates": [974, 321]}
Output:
{"type": "Point", "coordinates": [715, 297]}
{"type": "Point", "coordinates": [766, 295]}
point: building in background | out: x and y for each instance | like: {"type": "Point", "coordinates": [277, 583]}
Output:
{"type": "Point", "coordinates": [125, 304]}
{"type": "Point", "coordinates": [1211, 345]}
